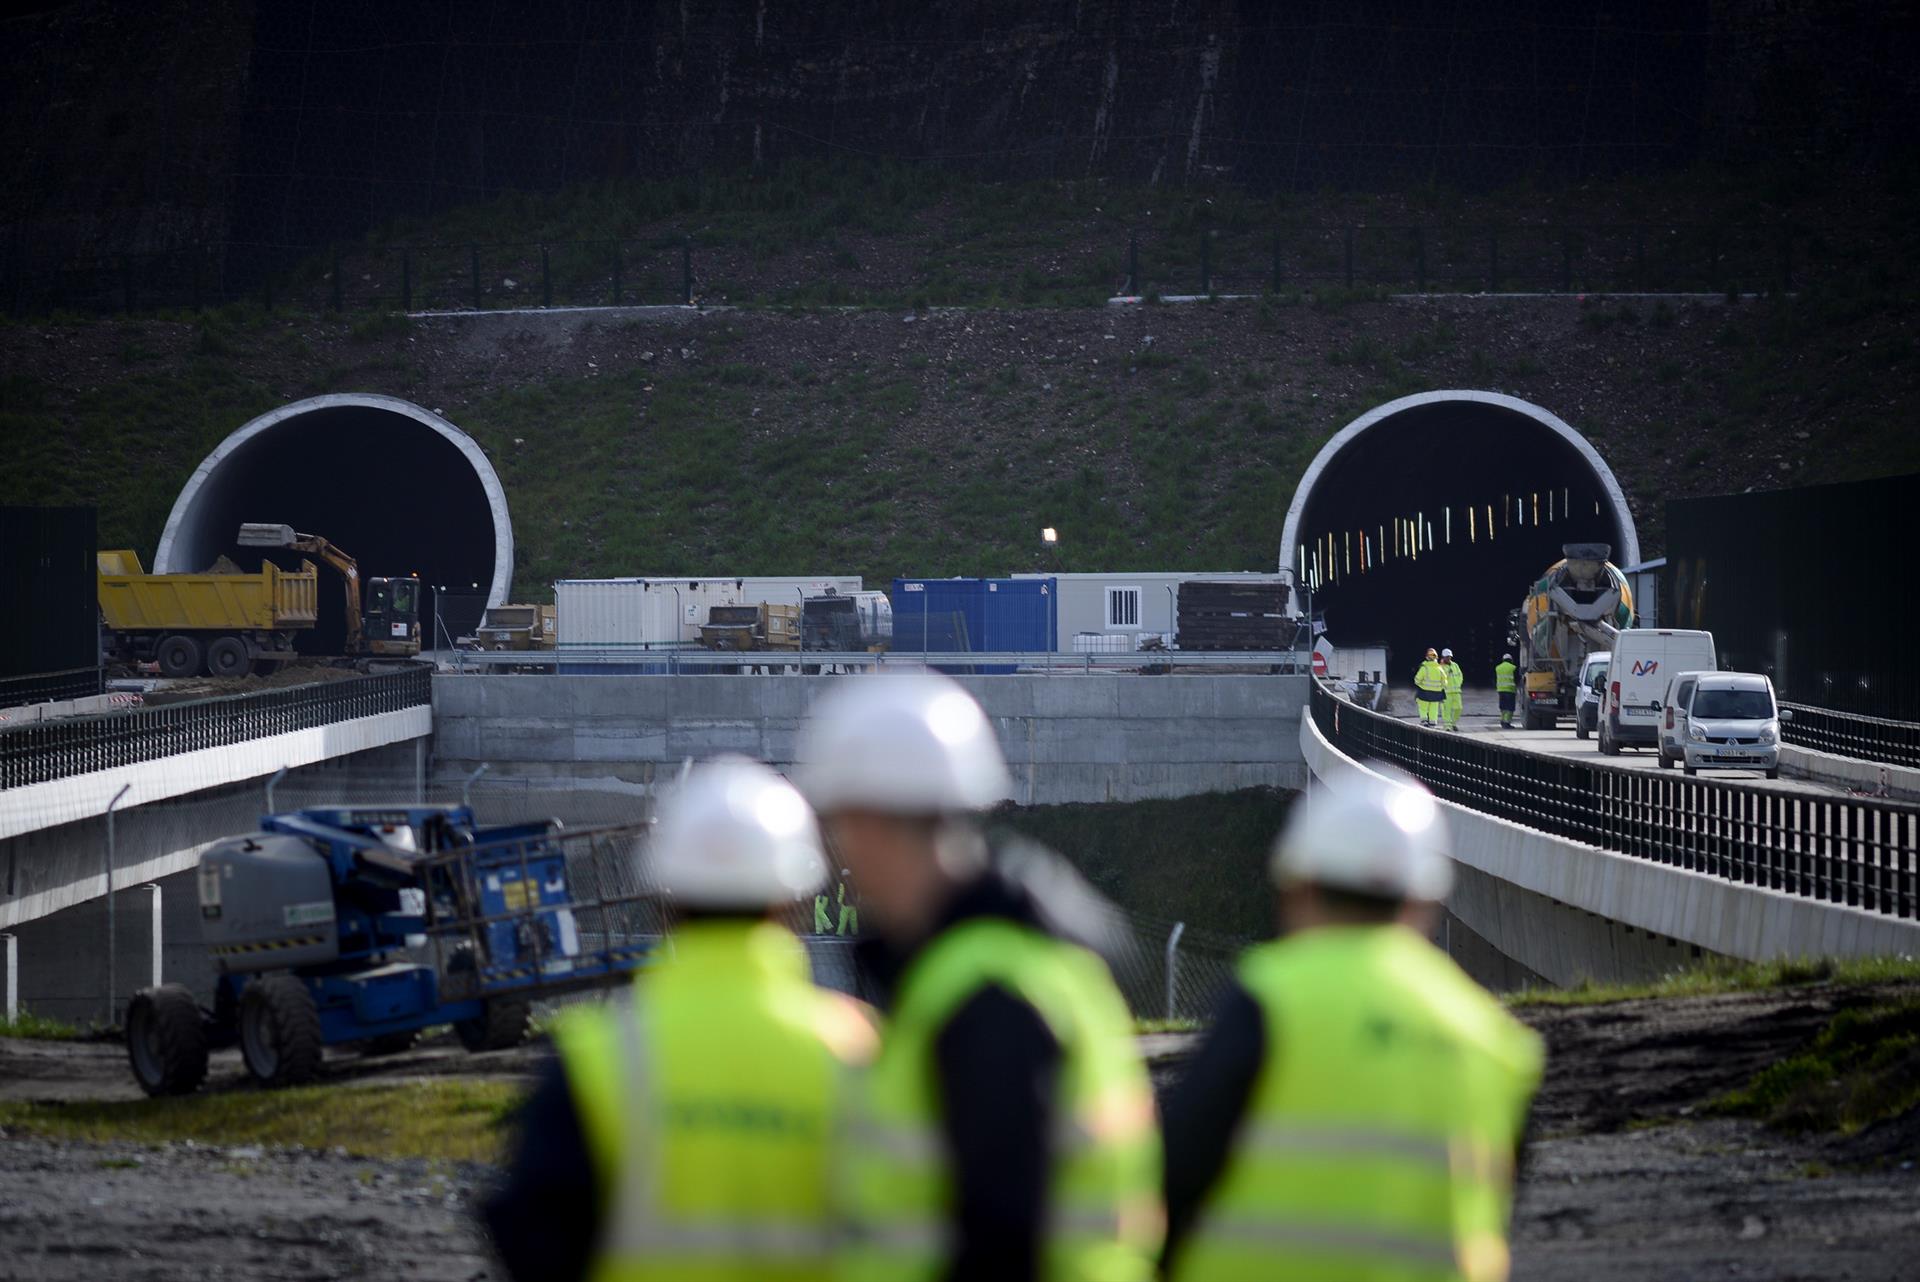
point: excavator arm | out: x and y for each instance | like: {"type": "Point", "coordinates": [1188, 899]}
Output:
{"type": "Point", "coordinates": [284, 536]}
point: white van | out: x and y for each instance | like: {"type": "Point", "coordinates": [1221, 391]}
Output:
{"type": "Point", "coordinates": [1731, 723]}
{"type": "Point", "coordinates": [1644, 660]}
{"type": "Point", "coordinates": [1590, 692]}
{"type": "Point", "coordinates": [1673, 718]}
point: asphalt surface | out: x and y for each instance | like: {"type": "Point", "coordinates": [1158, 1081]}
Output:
{"type": "Point", "coordinates": [1480, 719]}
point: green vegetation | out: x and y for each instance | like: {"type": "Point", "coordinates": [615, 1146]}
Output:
{"type": "Point", "coordinates": [1864, 1067]}
{"type": "Point", "coordinates": [454, 1120]}
{"type": "Point", "coordinates": [37, 1028]}
{"type": "Point", "coordinates": [1201, 860]}
{"type": "Point", "coordinates": [1723, 976]}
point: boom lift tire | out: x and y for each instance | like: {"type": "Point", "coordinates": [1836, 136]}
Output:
{"type": "Point", "coordinates": [178, 655]}
{"type": "Point", "coordinates": [166, 1040]}
{"type": "Point", "coordinates": [228, 657]}
{"type": "Point", "coordinates": [503, 1022]}
{"type": "Point", "coordinates": [280, 1031]}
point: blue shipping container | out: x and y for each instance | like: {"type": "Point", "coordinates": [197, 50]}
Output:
{"type": "Point", "coordinates": [959, 616]}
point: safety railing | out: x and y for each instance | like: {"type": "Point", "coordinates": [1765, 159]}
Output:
{"type": "Point", "coordinates": [43, 751]}
{"type": "Point", "coordinates": [1284, 662]}
{"type": "Point", "coordinates": [1844, 850]}
{"type": "Point", "coordinates": [49, 687]}
{"type": "Point", "coordinates": [1848, 734]}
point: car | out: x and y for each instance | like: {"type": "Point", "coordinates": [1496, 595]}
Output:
{"type": "Point", "coordinates": [1644, 660]}
{"type": "Point", "coordinates": [1733, 723]}
{"type": "Point", "coordinates": [1673, 717]}
{"type": "Point", "coordinates": [1589, 693]}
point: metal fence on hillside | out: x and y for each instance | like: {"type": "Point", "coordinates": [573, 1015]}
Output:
{"type": "Point", "coordinates": [681, 270]}
{"type": "Point", "coordinates": [1849, 734]}
{"type": "Point", "coordinates": [1843, 850]}
{"type": "Point", "coordinates": [49, 687]}
{"type": "Point", "coordinates": [42, 751]}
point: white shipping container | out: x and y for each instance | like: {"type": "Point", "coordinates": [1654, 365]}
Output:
{"type": "Point", "coordinates": [657, 613]}
{"type": "Point", "coordinates": [1132, 606]}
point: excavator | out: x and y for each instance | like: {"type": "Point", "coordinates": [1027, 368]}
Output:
{"type": "Point", "coordinates": [387, 626]}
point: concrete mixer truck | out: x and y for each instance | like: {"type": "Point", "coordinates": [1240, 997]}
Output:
{"type": "Point", "coordinates": [1578, 606]}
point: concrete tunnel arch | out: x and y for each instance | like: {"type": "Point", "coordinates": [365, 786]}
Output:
{"type": "Point", "coordinates": [1489, 426]}
{"type": "Point", "coordinates": [398, 486]}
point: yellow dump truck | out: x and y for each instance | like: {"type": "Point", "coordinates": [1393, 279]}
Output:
{"type": "Point", "coordinates": [225, 625]}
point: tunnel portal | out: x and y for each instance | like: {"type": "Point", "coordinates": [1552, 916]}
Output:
{"type": "Point", "coordinates": [1453, 461]}
{"type": "Point", "coordinates": [397, 486]}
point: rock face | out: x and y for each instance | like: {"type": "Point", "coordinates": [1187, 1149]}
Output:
{"type": "Point", "coordinates": [141, 127]}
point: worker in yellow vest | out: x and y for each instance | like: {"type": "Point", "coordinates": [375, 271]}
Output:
{"type": "Point", "coordinates": [1430, 689]}
{"type": "Point", "coordinates": [1456, 691]}
{"type": "Point", "coordinates": [1505, 684]}
{"type": "Point", "coordinates": [1007, 1128]}
{"type": "Point", "coordinates": [686, 1130]}
{"type": "Point", "coordinates": [1357, 1107]}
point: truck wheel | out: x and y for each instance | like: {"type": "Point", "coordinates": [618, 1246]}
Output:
{"type": "Point", "coordinates": [503, 1022]}
{"type": "Point", "coordinates": [178, 656]}
{"type": "Point", "coordinates": [280, 1031]}
{"type": "Point", "coordinates": [227, 657]}
{"type": "Point", "coordinates": [166, 1040]}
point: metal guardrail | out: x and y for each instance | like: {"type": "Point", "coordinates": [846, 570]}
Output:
{"type": "Point", "coordinates": [49, 687]}
{"type": "Point", "coordinates": [1289, 662]}
{"type": "Point", "coordinates": [48, 750]}
{"type": "Point", "coordinates": [1848, 734]}
{"type": "Point", "coordinates": [1843, 850]}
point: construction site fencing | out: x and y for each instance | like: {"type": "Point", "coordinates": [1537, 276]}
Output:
{"type": "Point", "coordinates": [1849, 734]}
{"type": "Point", "coordinates": [683, 270]}
{"type": "Point", "coordinates": [1845, 850]}
{"type": "Point", "coordinates": [48, 750]}
{"type": "Point", "coordinates": [49, 687]}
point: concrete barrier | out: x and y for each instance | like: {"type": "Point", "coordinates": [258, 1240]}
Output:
{"type": "Point", "coordinates": [1657, 900]}
{"type": "Point", "coordinates": [1068, 738]}
{"type": "Point", "coordinates": [1875, 778]}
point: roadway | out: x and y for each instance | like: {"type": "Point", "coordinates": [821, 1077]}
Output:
{"type": "Point", "coordinates": [1480, 719]}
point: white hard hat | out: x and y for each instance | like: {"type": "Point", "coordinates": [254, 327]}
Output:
{"type": "Point", "coordinates": [1446, 654]}
{"type": "Point", "coordinates": [908, 745]}
{"type": "Point", "coordinates": [736, 835]}
{"type": "Point", "coordinates": [1507, 657]}
{"type": "Point", "coordinates": [1375, 836]}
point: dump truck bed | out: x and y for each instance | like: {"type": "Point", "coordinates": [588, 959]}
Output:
{"type": "Point", "coordinates": [272, 600]}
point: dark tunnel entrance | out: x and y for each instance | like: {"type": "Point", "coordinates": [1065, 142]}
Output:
{"type": "Point", "coordinates": [397, 487]}
{"type": "Point", "coordinates": [1455, 462]}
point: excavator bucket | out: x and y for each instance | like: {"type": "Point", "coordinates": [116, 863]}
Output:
{"type": "Point", "coordinates": [254, 535]}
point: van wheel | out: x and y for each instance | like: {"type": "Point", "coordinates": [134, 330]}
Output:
{"type": "Point", "coordinates": [1690, 770]}
{"type": "Point", "coordinates": [1608, 748]}
{"type": "Point", "coordinates": [1666, 762]}
{"type": "Point", "coordinates": [1773, 772]}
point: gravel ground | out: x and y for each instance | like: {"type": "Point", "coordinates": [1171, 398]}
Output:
{"type": "Point", "coordinates": [1624, 1178]}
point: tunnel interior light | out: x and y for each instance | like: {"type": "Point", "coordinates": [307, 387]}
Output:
{"type": "Point", "coordinates": [1049, 535]}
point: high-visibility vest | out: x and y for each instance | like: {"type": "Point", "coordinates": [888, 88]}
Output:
{"type": "Point", "coordinates": [1431, 678]}
{"type": "Point", "coordinates": [1104, 1215]}
{"type": "Point", "coordinates": [1379, 1138]}
{"type": "Point", "coordinates": [709, 1100]}
{"type": "Point", "coordinates": [1456, 678]}
{"type": "Point", "coordinates": [1503, 676]}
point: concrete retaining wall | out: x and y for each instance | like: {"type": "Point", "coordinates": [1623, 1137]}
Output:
{"type": "Point", "coordinates": [1099, 737]}
{"type": "Point", "coordinates": [1873, 777]}
{"type": "Point", "coordinates": [1659, 902]}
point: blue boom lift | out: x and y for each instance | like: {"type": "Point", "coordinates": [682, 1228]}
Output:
{"type": "Point", "coordinates": [366, 924]}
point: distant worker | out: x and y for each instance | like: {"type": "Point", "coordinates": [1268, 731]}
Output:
{"type": "Point", "coordinates": [1357, 1107]}
{"type": "Point", "coordinates": [1007, 1131]}
{"type": "Point", "coordinates": [684, 1130]}
{"type": "Point", "coordinates": [1430, 688]}
{"type": "Point", "coordinates": [849, 910]}
{"type": "Point", "coordinates": [1504, 685]}
{"type": "Point", "coordinates": [1456, 691]}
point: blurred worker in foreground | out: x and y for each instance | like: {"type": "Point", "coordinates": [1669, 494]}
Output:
{"type": "Point", "coordinates": [1430, 688]}
{"type": "Point", "coordinates": [1007, 1129]}
{"type": "Point", "coordinates": [1456, 691]}
{"type": "Point", "coordinates": [1504, 684]}
{"type": "Point", "coordinates": [1357, 1106]}
{"type": "Point", "coordinates": [686, 1129]}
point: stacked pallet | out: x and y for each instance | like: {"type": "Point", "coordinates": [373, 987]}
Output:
{"type": "Point", "coordinates": [1233, 616]}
